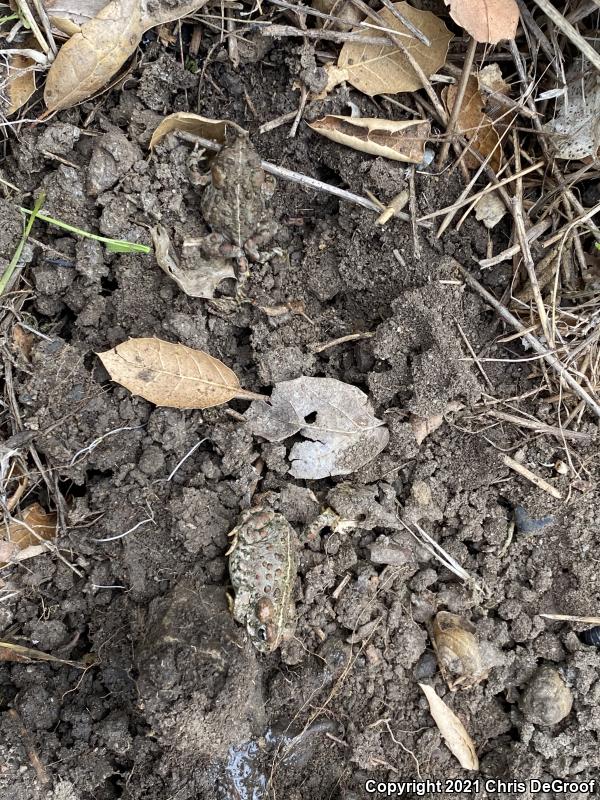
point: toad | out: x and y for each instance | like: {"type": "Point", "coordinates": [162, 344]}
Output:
{"type": "Point", "coordinates": [235, 206]}
{"type": "Point", "coordinates": [262, 568]}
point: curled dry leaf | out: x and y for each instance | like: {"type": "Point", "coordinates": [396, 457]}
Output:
{"type": "Point", "coordinates": [172, 375]}
{"type": "Point", "coordinates": [492, 80]}
{"type": "Point", "coordinates": [486, 20]}
{"type": "Point", "coordinates": [89, 59]}
{"type": "Point", "coordinates": [33, 526]}
{"type": "Point", "coordinates": [215, 129]}
{"type": "Point", "coordinates": [20, 82]}
{"type": "Point", "coordinates": [92, 56]}
{"type": "Point", "coordinates": [475, 124]}
{"type": "Point", "coordinates": [400, 140]}
{"type": "Point", "coordinates": [337, 418]}
{"type": "Point", "coordinates": [199, 280]}
{"type": "Point", "coordinates": [384, 69]}
{"type": "Point", "coordinates": [455, 735]}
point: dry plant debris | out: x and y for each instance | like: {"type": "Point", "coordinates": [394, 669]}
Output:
{"type": "Point", "coordinates": [335, 417]}
{"type": "Point", "coordinates": [486, 20]}
{"type": "Point", "coordinates": [400, 140]}
{"type": "Point", "coordinates": [454, 732]}
{"type": "Point", "coordinates": [474, 123]}
{"type": "Point", "coordinates": [385, 68]}
{"type": "Point", "coordinates": [200, 282]}
{"type": "Point", "coordinates": [99, 48]}
{"type": "Point", "coordinates": [186, 122]}
{"type": "Point", "coordinates": [172, 375]}
{"type": "Point", "coordinates": [20, 82]}
{"type": "Point", "coordinates": [25, 534]}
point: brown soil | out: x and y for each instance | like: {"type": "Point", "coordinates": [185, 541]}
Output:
{"type": "Point", "coordinates": [178, 704]}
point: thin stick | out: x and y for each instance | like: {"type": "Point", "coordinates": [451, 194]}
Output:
{"type": "Point", "coordinates": [458, 101]}
{"type": "Point", "coordinates": [40, 770]}
{"type": "Point", "coordinates": [299, 9]}
{"type": "Point", "coordinates": [474, 356]}
{"type": "Point", "coordinates": [406, 22]}
{"type": "Point", "coordinates": [35, 28]}
{"type": "Point", "coordinates": [540, 427]}
{"type": "Point", "coordinates": [501, 99]}
{"type": "Point", "coordinates": [569, 618]}
{"type": "Point", "coordinates": [535, 344]}
{"type": "Point", "coordinates": [277, 31]}
{"type": "Point", "coordinates": [569, 31]}
{"type": "Point", "coordinates": [531, 476]}
{"type": "Point", "coordinates": [532, 234]}
{"type": "Point", "coordinates": [413, 213]}
{"type": "Point", "coordinates": [351, 337]}
{"type": "Point", "coordinates": [517, 212]}
{"type": "Point", "coordinates": [303, 180]}
{"type": "Point", "coordinates": [232, 45]}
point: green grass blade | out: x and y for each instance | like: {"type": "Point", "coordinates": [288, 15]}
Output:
{"type": "Point", "coordinates": [112, 245]}
{"type": "Point", "coordinates": [8, 272]}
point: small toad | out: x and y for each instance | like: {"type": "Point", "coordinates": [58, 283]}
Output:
{"type": "Point", "coordinates": [262, 567]}
{"type": "Point", "coordinates": [235, 205]}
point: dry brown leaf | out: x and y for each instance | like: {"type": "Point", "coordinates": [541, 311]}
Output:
{"type": "Point", "coordinates": [491, 78]}
{"type": "Point", "coordinates": [384, 69]}
{"type": "Point", "coordinates": [214, 129]}
{"type": "Point", "coordinates": [20, 83]}
{"type": "Point", "coordinates": [455, 735]}
{"type": "Point", "coordinates": [92, 56]}
{"type": "Point", "coordinates": [22, 341]}
{"type": "Point", "coordinates": [34, 524]}
{"type": "Point", "coordinates": [16, 652]}
{"type": "Point", "coordinates": [486, 20]}
{"type": "Point", "coordinates": [172, 375]}
{"type": "Point", "coordinates": [475, 124]}
{"type": "Point", "coordinates": [400, 140]}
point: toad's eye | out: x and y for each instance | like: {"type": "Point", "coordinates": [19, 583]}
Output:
{"type": "Point", "coordinates": [262, 633]}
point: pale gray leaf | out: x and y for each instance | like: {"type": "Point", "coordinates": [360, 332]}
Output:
{"type": "Point", "coordinates": [198, 277]}
{"type": "Point", "coordinates": [336, 417]}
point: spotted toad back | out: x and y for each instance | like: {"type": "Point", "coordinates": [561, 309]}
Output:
{"type": "Point", "coordinates": [263, 568]}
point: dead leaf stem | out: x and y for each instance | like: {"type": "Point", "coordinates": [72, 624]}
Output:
{"type": "Point", "coordinates": [276, 31]}
{"type": "Point", "coordinates": [458, 101]}
{"type": "Point", "coordinates": [406, 22]}
{"type": "Point", "coordinates": [569, 31]}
